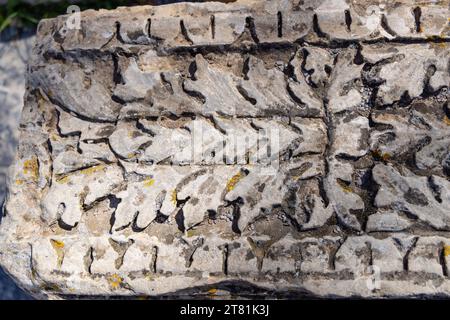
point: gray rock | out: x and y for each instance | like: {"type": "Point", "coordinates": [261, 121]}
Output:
{"type": "Point", "coordinates": [387, 221]}
{"type": "Point", "coordinates": [15, 50]}
{"type": "Point", "coordinates": [282, 144]}
{"type": "Point", "coordinates": [419, 64]}
{"type": "Point", "coordinates": [427, 198]}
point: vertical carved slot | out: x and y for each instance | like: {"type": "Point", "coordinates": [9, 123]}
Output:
{"type": "Point", "coordinates": [386, 27]}
{"type": "Point", "coordinates": [250, 25]}
{"type": "Point", "coordinates": [316, 27]}
{"type": "Point", "coordinates": [442, 260]}
{"type": "Point", "coordinates": [118, 35]}
{"type": "Point", "coordinates": [280, 24]}
{"type": "Point", "coordinates": [149, 27]}
{"type": "Point", "coordinates": [184, 32]}
{"type": "Point", "coordinates": [417, 15]}
{"type": "Point", "coordinates": [213, 26]}
{"type": "Point", "coordinates": [348, 20]}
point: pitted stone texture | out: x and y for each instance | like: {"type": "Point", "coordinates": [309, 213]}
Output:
{"type": "Point", "coordinates": [145, 144]}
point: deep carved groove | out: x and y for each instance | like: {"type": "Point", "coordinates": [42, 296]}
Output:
{"type": "Point", "coordinates": [386, 27]}
{"type": "Point", "coordinates": [316, 27]}
{"type": "Point", "coordinates": [213, 26]}
{"type": "Point", "coordinates": [280, 24]}
{"type": "Point", "coordinates": [184, 32]}
{"type": "Point", "coordinates": [348, 20]}
{"type": "Point", "coordinates": [250, 25]}
{"type": "Point", "coordinates": [417, 15]}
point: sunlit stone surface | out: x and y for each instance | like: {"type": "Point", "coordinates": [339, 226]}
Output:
{"type": "Point", "coordinates": [277, 148]}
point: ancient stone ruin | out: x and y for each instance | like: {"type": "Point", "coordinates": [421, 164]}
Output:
{"type": "Point", "coordinates": [256, 148]}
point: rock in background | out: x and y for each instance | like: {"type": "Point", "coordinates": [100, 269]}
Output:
{"type": "Point", "coordinates": [15, 52]}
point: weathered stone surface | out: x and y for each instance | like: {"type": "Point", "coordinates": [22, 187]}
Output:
{"type": "Point", "coordinates": [280, 145]}
{"type": "Point", "coordinates": [387, 221]}
{"type": "Point", "coordinates": [424, 197]}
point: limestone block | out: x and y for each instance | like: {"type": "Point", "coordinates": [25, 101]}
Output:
{"type": "Point", "coordinates": [273, 146]}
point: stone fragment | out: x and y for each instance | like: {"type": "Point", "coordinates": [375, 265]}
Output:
{"type": "Point", "coordinates": [279, 148]}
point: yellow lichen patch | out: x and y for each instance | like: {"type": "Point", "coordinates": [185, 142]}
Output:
{"type": "Point", "coordinates": [55, 137]}
{"type": "Point", "coordinates": [115, 280]}
{"type": "Point", "coordinates": [447, 120]}
{"type": "Point", "coordinates": [173, 197]}
{"type": "Point", "coordinates": [149, 182]}
{"type": "Point", "coordinates": [439, 44]}
{"type": "Point", "coordinates": [212, 292]}
{"type": "Point", "coordinates": [59, 248]}
{"type": "Point", "coordinates": [31, 168]}
{"type": "Point", "coordinates": [50, 287]}
{"type": "Point", "coordinates": [344, 186]}
{"type": "Point", "coordinates": [131, 155]}
{"type": "Point", "coordinates": [33, 273]}
{"type": "Point", "coordinates": [377, 154]}
{"type": "Point", "coordinates": [385, 156]}
{"type": "Point", "coordinates": [446, 251]}
{"type": "Point", "coordinates": [91, 170]}
{"type": "Point", "coordinates": [347, 188]}
{"type": "Point", "coordinates": [190, 233]}
{"type": "Point", "coordinates": [63, 179]}
{"type": "Point", "coordinates": [88, 171]}
{"type": "Point", "coordinates": [233, 181]}
{"type": "Point", "coordinates": [20, 182]}
{"type": "Point", "coordinates": [57, 244]}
